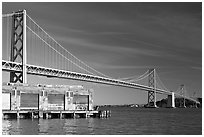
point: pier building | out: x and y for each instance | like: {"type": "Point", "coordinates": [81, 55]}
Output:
{"type": "Point", "coordinates": [47, 101]}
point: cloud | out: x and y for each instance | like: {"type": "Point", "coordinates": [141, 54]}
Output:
{"type": "Point", "coordinates": [110, 48]}
{"type": "Point", "coordinates": [197, 68]}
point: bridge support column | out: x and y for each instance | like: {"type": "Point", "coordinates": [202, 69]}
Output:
{"type": "Point", "coordinates": [171, 101]}
{"type": "Point", "coordinates": [18, 46]}
{"type": "Point", "coordinates": [152, 93]}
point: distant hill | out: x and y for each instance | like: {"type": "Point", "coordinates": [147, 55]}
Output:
{"type": "Point", "coordinates": [162, 103]}
{"type": "Point", "coordinates": [179, 103]}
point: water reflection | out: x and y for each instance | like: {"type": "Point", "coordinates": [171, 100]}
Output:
{"type": "Point", "coordinates": [6, 127]}
{"type": "Point", "coordinates": [47, 126]}
{"type": "Point", "coordinates": [70, 126]}
{"type": "Point", "coordinates": [11, 126]}
{"type": "Point", "coordinates": [138, 121]}
{"type": "Point", "coordinates": [91, 125]}
{"type": "Point", "coordinates": [43, 126]}
{"type": "Point", "coordinates": [28, 126]}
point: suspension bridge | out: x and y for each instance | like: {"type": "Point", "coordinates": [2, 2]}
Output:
{"type": "Point", "coordinates": [29, 49]}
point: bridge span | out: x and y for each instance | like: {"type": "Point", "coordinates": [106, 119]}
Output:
{"type": "Point", "coordinates": [22, 35]}
{"type": "Point", "coordinates": [50, 72]}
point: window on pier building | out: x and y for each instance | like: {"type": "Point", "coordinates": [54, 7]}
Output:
{"type": "Point", "coordinates": [80, 99]}
{"type": "Point", "coordinates": [81, 102]}
{"type": "Point", "coordinates": [67, 94]}
{"type": "Point", "coordinates": [71, 94]}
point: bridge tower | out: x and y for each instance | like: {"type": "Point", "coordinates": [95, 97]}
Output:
{"type": "Point", "coordinates": [182, 92]}
{"type": "Point", "coordinates": [18, 46]}
{"type": "Point", "coordinates": [152, 92]}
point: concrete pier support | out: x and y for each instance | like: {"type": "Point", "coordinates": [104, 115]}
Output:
{"type": "Point", "coordinates": [15, 99]}
{"type": "Point", "coordinates": [90, 99]}
{"type": "Point", "coordinates": [43, 100]}
{"type": "Point", "coordinates": [68, 102]}
{"type": "Point", "coordinates": [171, 101]}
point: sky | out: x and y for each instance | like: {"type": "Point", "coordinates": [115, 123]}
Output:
{"type": "Point", "coordinates": [125, 39]}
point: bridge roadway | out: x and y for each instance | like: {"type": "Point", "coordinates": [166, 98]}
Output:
{"type": "Point", "coordinates": [50, 72]}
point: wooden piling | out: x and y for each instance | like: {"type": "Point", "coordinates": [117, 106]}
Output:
{"type": "Point", "coordinates": [32, 116]}
{"type": "Point", "coordinates": [40, 114]}
{"type": "Point", "coordinates": [46, 115]}
{"type": "Point", "coordinates": [18, 114]}
{"type": "Point", "coordinates": [60, 114]}
{"type": "Point", "coordinates": [74, 115]}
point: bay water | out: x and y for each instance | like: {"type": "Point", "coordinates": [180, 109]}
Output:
{"type": "Point", "coordinates": [123, 121]}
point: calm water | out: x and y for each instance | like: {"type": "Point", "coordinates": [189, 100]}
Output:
{"type": "Point", "coordinates": [135, 121]}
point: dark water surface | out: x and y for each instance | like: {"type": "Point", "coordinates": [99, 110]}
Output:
{"type": "Point", "coordinates": [135, 121]}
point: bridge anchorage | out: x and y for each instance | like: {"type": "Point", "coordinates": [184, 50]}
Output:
{"type": "Point", "coordinates": [26, 34]}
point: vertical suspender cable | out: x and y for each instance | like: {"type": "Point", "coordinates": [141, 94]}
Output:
{"type": "Point", "coordinates": [52, 59]}
{"type": "Point", "coordinates": [63, 60]}
{"type": "Point", "coordinates": [36, 48]}
{"type": "Point", "coordinates": [60, 62]}
{"type": "Point", "coordinates": [42, 43]}
{"type": "Point", "coordinates": [30, 41]}
{"type": "Point", "coordinates": [7, 37]}
{"type": "Point", "coordinates": [50, 55]}
{"type": "Point", "coordinates": [56, 57]}
{"type": "Point", "coordinates": [38, 44]}
{"type": "Point", "coordinates": [59, 57]}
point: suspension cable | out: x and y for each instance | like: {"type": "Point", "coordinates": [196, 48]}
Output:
{"type": "Point", "coordinates": [133, 77]}
{"type": "Point", "coordinates": [162, 84]}
{"type": "Point", "coordinates": [140, 78]}
{"type": "Point", "coordinates": [66, 49]}
{"type": "Point", "coordinates": [56, 50]}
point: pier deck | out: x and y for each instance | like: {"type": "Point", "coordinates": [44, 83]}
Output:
{"type": "Point", "coordinates": [49, 114]}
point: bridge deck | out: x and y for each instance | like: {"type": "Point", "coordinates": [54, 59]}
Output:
{"type": "Point", "coordinates": [50, 72]}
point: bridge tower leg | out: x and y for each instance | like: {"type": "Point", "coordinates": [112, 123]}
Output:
{"type": "Point", "coordinates": [152, 93]}
{"type": "Point", "coordinates": [18, 46]}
